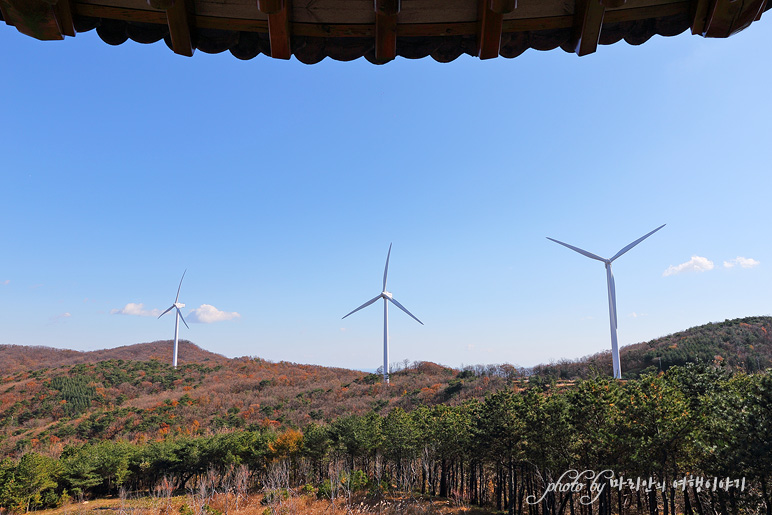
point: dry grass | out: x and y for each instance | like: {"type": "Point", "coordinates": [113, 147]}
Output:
{"type": "Point", "coordinates": [253, 505]}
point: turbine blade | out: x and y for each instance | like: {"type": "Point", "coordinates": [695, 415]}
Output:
{"type": "Point", "coordinates": [363, 305]}
{"type": "Point", "coordinates": [577, 249]}
{"type": "Point", "coordinates": [182, 318]}
{"type": "Point", "coordinates": [403, 308]}
{"type": "Point", "coordinates": [636, 242]}
{"type": "Point", "coordinates": [162, 314]}
{"type": "Point", "coordinates": [386, 270]}
{"type": "Point", "coordinates": [180, 286]}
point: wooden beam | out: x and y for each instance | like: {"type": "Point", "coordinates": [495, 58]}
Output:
{"type": "Point", "coordinates": [6, 16]}
{"type": "Point", "coordinates": [727, 17]}
{"type": "Point", "coordinates": [490, 25]}
{"type": "Point", "coordinates": [35, 18]}
{"type": "Point", "coordinates": [502, 6]}
{"type": "Point", "coordinates": [63, 13]}
{"type": "Point", "coordinates": [644, 13]}
{"type": "Point", "coordinates": [588, 20]}
{"type": "Point", "coordinates": [343, 30]}
{"type": "Point", "coordinates": [120, 13]}
{"type": "Point", "coordinates": [278, 12]}
{"type": "Point", "coordinates": [385, 37]}
{"type": "Point", "coordinates": [386, 12]}
{"type": "Point", "coordinates": [180, 22]}
{"type": "Point", "coordinates": [699, 15]}
{"type": "Point", "coordinates": [161, 5]}
{"type": "Point", "coordinates": [612, 4]}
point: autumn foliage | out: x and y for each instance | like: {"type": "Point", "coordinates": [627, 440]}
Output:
{"type": "Point", "coordinates": [482, 436]}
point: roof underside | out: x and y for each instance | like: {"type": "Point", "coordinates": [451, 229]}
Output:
{"type": "Point", "coordinates": [379, 30]}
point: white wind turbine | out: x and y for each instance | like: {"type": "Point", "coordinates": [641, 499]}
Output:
{"type": "Point", "coordinates": [177, 305]}
{"type": "Point", "coordinates": [387, 297]}
{"type": "Point", "coordinates": [612, 296]}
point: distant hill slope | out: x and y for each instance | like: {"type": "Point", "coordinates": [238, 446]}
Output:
{"type": "Point", "coordinates": [139, 400]}
{"type": "Point", "coordinates": [743, 343]}
{"type": "Point", "coordinates": [51, 397]}
{"type": "Point", "coordinates": [18, 358]}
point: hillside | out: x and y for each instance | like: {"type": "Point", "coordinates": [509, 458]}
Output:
{"type": "Point", "coordinates": [144, 397]}
{"type": "Point", "coordinates": [20, 358]}
{"type": "Point", "coordinates": [53, 397]}
{"type": "Point", "coordinates": [740, 344]}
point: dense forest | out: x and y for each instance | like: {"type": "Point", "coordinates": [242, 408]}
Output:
{"type": "Point", "coordinates": [691, 423]}
{"type": "Point", "coordinates": [496, 435]}
{"type": "Point", "coordinates": [742, 344]}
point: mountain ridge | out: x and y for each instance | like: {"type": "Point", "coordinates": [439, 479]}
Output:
{"type": "Point", "coordinates": [34, 357]}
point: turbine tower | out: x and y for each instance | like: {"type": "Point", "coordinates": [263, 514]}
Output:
{"type": "Point", "coordinates": [612, 296]}
{"type": "Point", "coordinates": [178, 315]}
{"type": "Point", "coordinates": [387, 297]}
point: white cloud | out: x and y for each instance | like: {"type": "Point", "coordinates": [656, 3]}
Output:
{"type": "Point", "coordinates": [695, 264]}
{"type": "Point", "coordinates": [136, 309]}
{"type": "Point", "coordinates": [637, 315]}
{"type": "Point", "coordinates": [7, 281]}
{"type": "Point", "coordinates": [59, 317]}
{"type": "Point", "coordinates": [207, 314]}
{"type": "Point", "coordinates": [742, 262]}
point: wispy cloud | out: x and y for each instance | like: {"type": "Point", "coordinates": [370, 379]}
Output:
{"type": "Point", "coordinates": [208, 314]}
{"type": "Point", "coordinates": [638, 315]}
{"type": "Point", "coordinates": [695, 264]}
{"type": "Point", "coordinates": [60, 317]}
{"type": "Point", "coordinates": [7, 281]}
{"type": "Point", "coordinates": [136, 309]}
{"type": "Point", "coordinates": [741, 262]}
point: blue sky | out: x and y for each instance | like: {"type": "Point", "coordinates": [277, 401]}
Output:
{"type": "Point", "coordinates": [279, 187]}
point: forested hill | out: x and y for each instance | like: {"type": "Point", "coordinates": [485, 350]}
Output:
{"type": "Point", "coordinates": [20, 358]}
{"type": "Point", "coordinates": [740, 344]}
{"type": "Point", "coordinates": [144, 398]}
{"type": "Point", "coordinates": [52, 397]}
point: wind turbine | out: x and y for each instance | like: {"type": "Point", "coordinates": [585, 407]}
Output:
{"type": "Point", "coordinates": [177, 305]}
{"type": "Point", "coordinates": [387, 297]}
{"type": "Point", "coordinates": [612, 296]}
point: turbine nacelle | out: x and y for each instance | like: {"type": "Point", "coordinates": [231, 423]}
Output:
{"type": "Point", "coordinates": [179, 305]}
{"type": "Point", "coordinates": [387, 295]}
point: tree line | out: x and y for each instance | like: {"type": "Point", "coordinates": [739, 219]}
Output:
{"type": "Point", "coordinates": [517, 450]}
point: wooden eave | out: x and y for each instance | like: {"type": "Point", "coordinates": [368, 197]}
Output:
{"type": "Point", "coordinates": [379, 30]}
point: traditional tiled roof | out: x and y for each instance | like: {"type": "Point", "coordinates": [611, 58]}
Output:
{"type": "Point", "coordinates": [379, 30]}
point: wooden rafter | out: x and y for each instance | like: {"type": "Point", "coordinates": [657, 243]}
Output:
{"type": "Point", "coordinates": [588, 20]}
{"type": "Point", "coordinates": [35, 18]}
{"type": "Point", "coordinates": [490, 25]}
{"type": "Point", "coordinates": [278, 12]}
{"type": "Point", "coordinates": [386, 12]}
{"type": "Point", "coordinates": [342, 30]}
{"type": "Point", "coordinates": [486, 21]}
{"type": "Point", "coordinates": [699, 15]}
{"type": "Point", "coordinates": [63, 13]}
{"type": "Point", "coordinates": [180, 22]}
{"type": "Point", "coordinates": [722, 18]}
